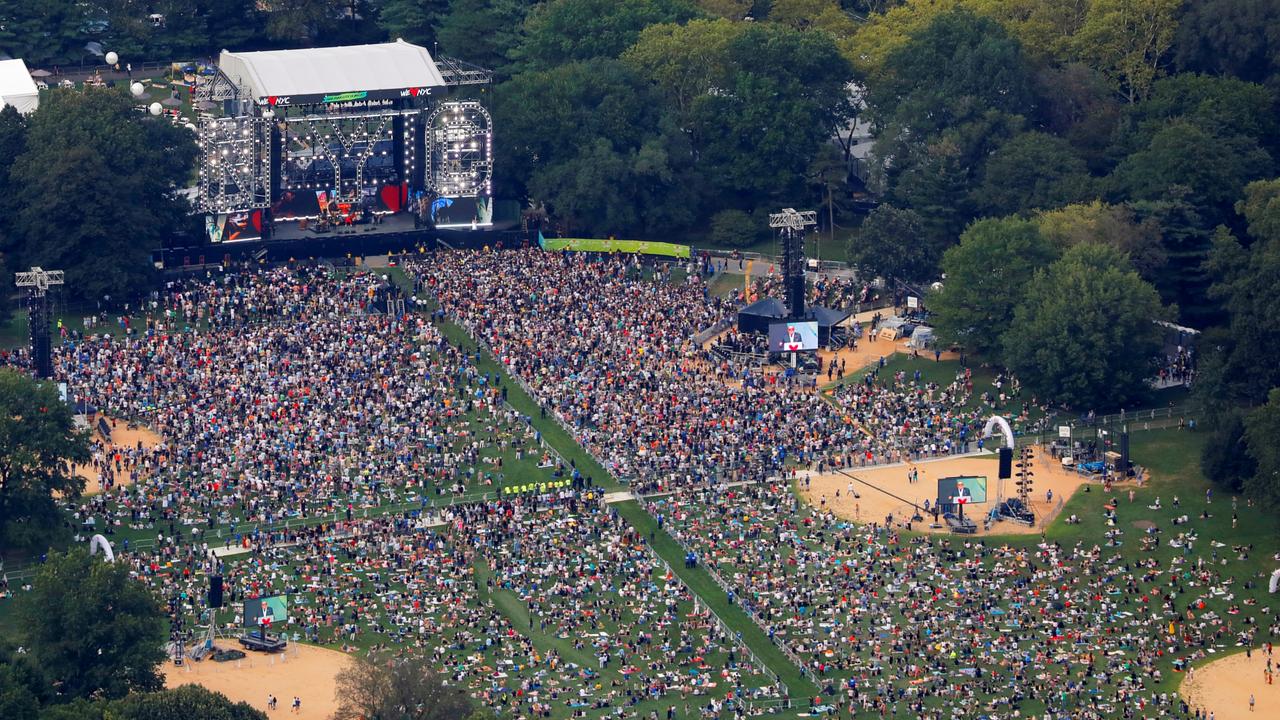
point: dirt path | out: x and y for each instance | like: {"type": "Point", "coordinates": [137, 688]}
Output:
{"type": "Point", "coordinates": [873, 505]}
{"type": "Point", "coordinates": [303, 671]}
{"type": "Point", "coordinates": [1223, 687]}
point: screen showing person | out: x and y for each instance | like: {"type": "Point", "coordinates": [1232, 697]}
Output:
{"type": "Point", "coordinates": [962, 490]}
{"type": "Point", "coordinates": [793, 336]}
{"type": "Point", "coordinates": [265, 612]}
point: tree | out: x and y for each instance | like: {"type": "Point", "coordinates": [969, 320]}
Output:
{"type": "Point", "coordinates": [561, 31]}
{"type": "Point", "coordinates": [188, 701]}
{"type": "Point", "coordinates": [1080, 106]}
{"type": "Point", "coordinates": [734, 228]}
{"type": "Point", "coordinates": [379, 687]}
{"type": "Point", "coordinates": [484, 31]}
{"type": "Point", "coordinates": [1112, 225]}
{"type": "Point", "coordinates": [1260, 208]}
{"type": "Point", "coordinates": [684, 62]}
{"type": "Point", "coordinates": [417, 21]}
{"type": "Point", "coordinates": [986, 280]}
{"type": "Point", "coordinates": [1033, 170]}
{"type": "Point", "coordinates": [96, 189]}
{"type": "Point", "coordinates": [302, 21]}
{"type": "Point", "coordinates": [959, 67]}
{"type": "Point", "coordinates": [1245, 280]}
{"type": "Point", "coordinates": [1212, 169]}
{"type": "Point", "coordinates": [1128, 41]}
{"type": "Point", "coordinates": [1262, 427]}
{"type": "Point", "coordinates": [891, 243]}
{"type": "Point", "coordinates": [95, 630]}
{"type": "Point", "coordinates": [1085, 335]}
{"type": "Point", "coordinates": [1229, 37]}
{"type": "Point", "coordinates": [37, 440]}
{"type": "Point", "coordinates": [730, 9]}
{"type": "Point", "coordinates": [1225, 458]}
{"type": "Point", "coordinates": [17, 702]}
{"type": "Point", "coordinates": [45, 33]}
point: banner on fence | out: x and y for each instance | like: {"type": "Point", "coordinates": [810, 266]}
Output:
{"type": "Point", "coordinates": [637, 247]}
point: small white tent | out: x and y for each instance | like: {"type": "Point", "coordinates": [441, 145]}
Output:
{"type": "Point", "coordinates": [17, 88]}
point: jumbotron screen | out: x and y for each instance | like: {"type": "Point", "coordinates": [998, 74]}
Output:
{"type": "Point", "coordinates": [951, 490]}
{"type": "Point", "coordinates": [276, 608]}
{"type": "Point", "coordinates": [793, 336]}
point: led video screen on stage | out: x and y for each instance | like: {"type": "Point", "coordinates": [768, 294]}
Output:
{"type": "Point", "coordinates": [972, 489]}
{"type": "Point", "coordinates": [233, 227]}
{"type": "Point", "coordinates": [267, 611]}
{"type": "Point", "coordinates": [462, 212]}
{"type": "Point", "coordinates": [793, 336]}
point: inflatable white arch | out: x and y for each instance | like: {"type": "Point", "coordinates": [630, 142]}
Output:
{"type": "Point", "coordinates": [1275, 581]}
{"type": "Point", "coordinates": [96, 543]}
{"type": "Point", "coordinates": [1004, 427]}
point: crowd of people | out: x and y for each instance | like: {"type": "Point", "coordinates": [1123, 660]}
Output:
{"type": "Point", "coordinates": [624, 632]}
{"type": "Point", "coordinates": [279, 396]}
{"type": "Point", "coordinates": [610, 354]}
{"type": "Point", "coordinates": [931, 627]}
{"type": "Point", "coordinates": [327, 448]}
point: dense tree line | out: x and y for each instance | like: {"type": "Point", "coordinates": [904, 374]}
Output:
{"type": "Point", "coordinates": [94, 186]}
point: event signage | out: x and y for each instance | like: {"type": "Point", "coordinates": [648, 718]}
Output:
{"type": "Point", "coordinates": [346, 97]}
{"type": "Point", "coordinates": [1064, 431]}
{"type": "Point", "coordinates": [636, 247]}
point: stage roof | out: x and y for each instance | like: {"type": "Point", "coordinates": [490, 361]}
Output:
{"type": "Point", "coordinates": [16, 86]}
{"type": "Point", "coordinates": [386, 69]}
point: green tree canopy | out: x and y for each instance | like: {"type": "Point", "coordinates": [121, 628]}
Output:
{"type": "Point", "coordinates": [1115, 226]}
{"type": "Point", "coordinates": [1262, 427]}
{"type": "Point", "coordinates": [95, 189]}
{"type": "Point", "coordinates": [37, 439]}
{"type": "Point", "coordinates": [563, 31]}
{"type": "Point", "coordinates": [95, 631]}
{"type": "Point", "coordinates": [1085, 334]}
{"type": "Point", "coordinates": [1229, 37]}
{"type": "Point", "coordinates": [734, 228]}
{"type": "Point", "coordinates": [891, 243]}
{"type": "Point", "coordinates": [1033, 170]}
{"type": "Point", "coordinates": [1128, 41]}
{"type": "Point", "coordinates": [416, 21]}
{"type": "Point", "coordinates": [960, 66]}
{"type": "Point", "coordinates": [187, 701]}
{"type": "Point", "coordinates": [484, 32]}
{"type": "Point", "coordinates": [986, 280]}
{"type": "Point", "coordinates": [1211, 169]}
{"type": "Point", "coordinates": [47, 32]}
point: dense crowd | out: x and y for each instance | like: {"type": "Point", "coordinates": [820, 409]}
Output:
{"type": "Point", "coordinates": [929, 627]}
{"type": "Point", "coordinates": [629, 634]}
{"type": "Point", "coordinates": [610, 354]}
{"type": "Point", "coordinates": [279, 396]}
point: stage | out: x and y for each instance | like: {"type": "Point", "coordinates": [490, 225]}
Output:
{"type": "Point", "coordinates": [292, 230]}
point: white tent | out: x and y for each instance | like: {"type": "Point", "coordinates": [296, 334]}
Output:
{"type": "Point", "coordinates": [17, 88]}
{"type": "Point", "coordinates": [317, 72]}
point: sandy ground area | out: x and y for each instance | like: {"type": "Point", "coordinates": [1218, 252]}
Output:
{"type": "Point", "coordinates": [121, 437]}
{"type": "Point", "coordinates": [876, 502]}
{"type": "Point", "coordinates": [1223, 687]}
{"type": "Point", "coordinates": [869, 351]}
{"type": "Point", "coordinates": [303, 671]}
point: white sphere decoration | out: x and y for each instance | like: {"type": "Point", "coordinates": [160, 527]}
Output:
{"type": "Point", "coordinates": [190, 126]}
{"type": "Point", "coordinates": [137, 89]}
{"type": "Point", "coordinates": [156, 108]}
{"type": "Point", "coordinates": [112, 58]}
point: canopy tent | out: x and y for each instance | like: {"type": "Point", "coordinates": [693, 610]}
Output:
{"type": "Point", "coordinates": [396, 69]}
{"type": "Point", "coordinates": [759, 315]}
{"type": "Point", "coordinates": [17, 88]}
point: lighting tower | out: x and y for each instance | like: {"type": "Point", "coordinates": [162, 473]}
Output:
{"type": "Point", "coordinates": [37, 282]}
{"type": "Point", "coordinates": [791, 224]}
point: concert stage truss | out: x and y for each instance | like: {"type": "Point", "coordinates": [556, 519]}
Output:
{"type": "Point", "coordinates": [348, 151]}
{"type": "Point", "coordinates": [235, 172]}
{"type": "Point", "coordinates": [460, 150]}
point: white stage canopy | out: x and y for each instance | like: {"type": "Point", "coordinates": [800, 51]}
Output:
{"type": "Point", "coordinates": [334, 74]}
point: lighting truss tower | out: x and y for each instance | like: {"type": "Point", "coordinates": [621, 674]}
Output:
{"type": "Point", "coordinates": [459, 148]}
{"type": "Point", "coordinates": [37, 282]}
{"type": "Point", "coordinates": [791, 224]}
{"type": "Point", "coordinates": [235, 174]}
